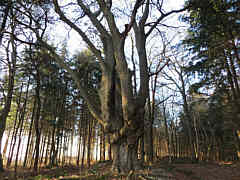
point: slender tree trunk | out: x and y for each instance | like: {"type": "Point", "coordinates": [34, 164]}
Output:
{"type": "Point", "coordinates": [32, 154]}
{"type": "Point", "coordinates": [235, 77]}
{"type": "Point", "coordinates": [109, 149]}
{"type": "Point", "coordinates": [57, 151]}
{"type": "Point", "coordinates": [7, 106]}
{"type": "Point", "coordinates": [148, 132]}
{"type": "Point", "coordinates": [47, 152]}
{"type": "Point", "coordinates": [101, 143]}
{"type": "Point", "coordinates": [21, 121]}
{"type": "Point", "coordinates": [36, 122]}
{"type": "Point", "coordinates": [29, 134]}
{"type": "Point", "coordinates": [19, 141]}
{"type": "Point", "coordinates": [80, 129]}
{"type": "Point", "coordinates": [104, 147]}
{"type": "Point", "coordinates": [43, 148]}
{"type": "Point", "coordinates": [167, 134]}
{"type": "Point", "coordinates": [230, 79]}
{"type": "Point", "coordinates": [78, 152]}
{"type": "Point", "coordinates": [65, 149]}
{"type": "Point", "coordinates": [71, 147]}
{"type": "Point", "coordinates": [5, 17]}
{"type": "Point", "coordinates": [197, 151]}
{"type": "Point", "coordinates": [89, 141]}
{"type": "Point", "coordinates": [52, 150]}
{"type": "Point", "coordinates": [6, 144]}
{"type": "Point", "coordinates": [97, 148]}
{"type": "Point", "coordinates": [15, 134]}
{"type": "Point", "coordinates": [83, 147]}
{"type": "Point", "coordinates": [235, 48]}
{"type": "Point", "coordinates": [61, 149]}
{"type": "Point", "coordinates": [142, 150]}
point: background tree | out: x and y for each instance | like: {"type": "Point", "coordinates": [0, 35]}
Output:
{"type": "Point", "coordinates": [116, 87]}
{"type": "Point", "coordinates": [213, 39]}
{"type": "Point", "coordinates": [11, 59]}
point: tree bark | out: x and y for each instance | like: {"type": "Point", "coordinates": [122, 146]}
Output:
{"type": "Point", "coordinates": [124, 146]}
{"type": "Point", "coordinates": [16, 128]}
{"type": "Point", "coordinates": [43, 148]}
{"type": "Point", "coordinates": [84, 137]}
{"type": "Point", "coordinates": [109, 149]}
{"type": "Point", "coordinates": [6, 144]}
{"type": "Point", "coordinates": [125, 157]}
{"type": "Point", "coordinates": [36, 122]}
{"type": "Point", "coordinates": [29, 134]}
{"type": "Point", "coordinates": [7, 106]}
{"type": "Point", "coordinates": [21, 121]}
{"type": "Point", "coordinates": [119, 105]}
{"type": "Point", "coordinates": [90, 124]}
{"type": "Point", "coordinates": [169, 149]}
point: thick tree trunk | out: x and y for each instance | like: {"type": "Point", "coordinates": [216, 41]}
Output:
{"type": "Point", "coordinates": [124, 145]}
{"type": "Point", "coordinates": [148, 132]}
{"type": "Point", "coordinates": [125, 157]}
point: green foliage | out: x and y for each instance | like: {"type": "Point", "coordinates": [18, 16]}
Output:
{"type": "Point", "coordinates": [213, 37]}
{"type": "Point", "coordinates": [213, 27]}
{"type": "Point", "coordinates": [87, 68]}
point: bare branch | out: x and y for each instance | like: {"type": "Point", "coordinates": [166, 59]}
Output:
{"type": "Point", "coordinates": [76, 28]}
{"type": "Point", "coordinates": [6, 12]}
{"type": "Point", "coordinates": [93, 18]}
{"type": "Point", "coordinates": [145, 15]}
{"type": "Point", "coordinates": [160, 69]}
{"type": "Point", "coordinates": [110, 18]}
{"type": "Point", "coordinates": [162, 101]}
{"type": "Point", "coordinates": [163, 15]}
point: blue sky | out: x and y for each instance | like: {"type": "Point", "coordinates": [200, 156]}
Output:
{"type": "Point", "coordinates": [76, 44]}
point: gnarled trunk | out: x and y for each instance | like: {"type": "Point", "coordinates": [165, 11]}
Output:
{"type": "Point", "coordinates": [125, 157]}
{"type": "Point", "coordinates": [124, 144]}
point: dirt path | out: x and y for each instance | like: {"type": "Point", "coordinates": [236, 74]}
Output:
{"type": "Point", "coordinates": [158, 171]}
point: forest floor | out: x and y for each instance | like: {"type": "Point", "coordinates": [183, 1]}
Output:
{"type": "Point", "coordinates": [158, 171]}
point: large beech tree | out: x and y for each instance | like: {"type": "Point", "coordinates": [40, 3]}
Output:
{"type": "Point", "coordinates": [120, 111]}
